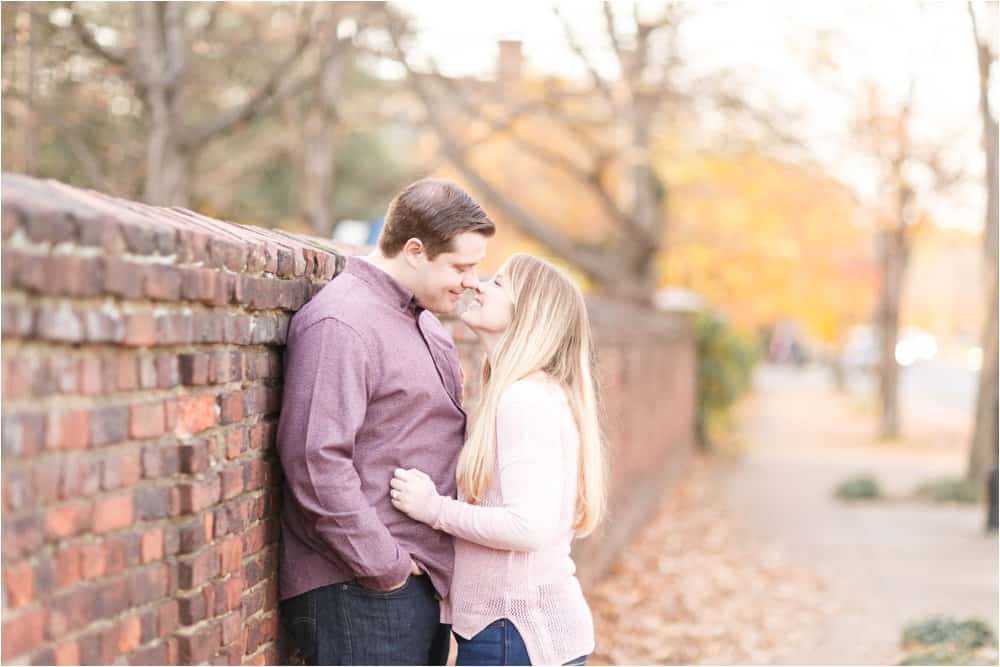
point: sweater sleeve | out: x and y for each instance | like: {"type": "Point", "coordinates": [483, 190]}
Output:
{"type": "Point", "coordinates": [530, 477]}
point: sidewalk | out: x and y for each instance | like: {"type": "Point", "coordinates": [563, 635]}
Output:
{"type": "Point", "coordinates": [895, 561]}
{"type": "Point", "coordinates": [752, 560]}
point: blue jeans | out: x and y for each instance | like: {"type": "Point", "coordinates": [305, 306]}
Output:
{"type": "Point", "coordinates": [498, 644]}
{"type": "Point", "coordinates": [347, 624]}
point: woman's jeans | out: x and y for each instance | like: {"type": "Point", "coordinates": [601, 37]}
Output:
{"type": "Point", "coordinates": [346, 624]}
{"type": "Point", "coordinates": [498, 644]}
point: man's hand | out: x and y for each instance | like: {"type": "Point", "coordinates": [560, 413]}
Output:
{"type": "Point", "coordinates": [413, 493]}
{"type": "Point", "coordinates": [414, 571]}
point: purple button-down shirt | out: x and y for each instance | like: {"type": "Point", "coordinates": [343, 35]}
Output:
{"type": "Point", "coordinates": [372, 382]}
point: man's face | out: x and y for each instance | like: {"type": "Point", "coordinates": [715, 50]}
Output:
{"type": "Point", "coordinates": [440, 282]}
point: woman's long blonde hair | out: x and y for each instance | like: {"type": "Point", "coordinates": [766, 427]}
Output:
{"type": "Point", "coordinates": [550, 332]}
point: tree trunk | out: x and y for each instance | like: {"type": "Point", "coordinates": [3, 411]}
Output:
{"type": "Point", "coordinates": [893, 257]}
{"type": "Point", "coordinates": [983, 451]}
{"type": "Point", "coordinates": [319, 149]}
{"type": "Point", "coordinates": [162, 53]}
{"type": "Point", "coordinates": [166, 163]}
{"type": "Point", "coordinates": [24, 66]}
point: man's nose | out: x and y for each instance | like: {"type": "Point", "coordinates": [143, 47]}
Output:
{"type": "Point", "coordinates": [471, 281]}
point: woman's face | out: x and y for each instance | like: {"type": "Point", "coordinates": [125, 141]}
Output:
{"type": "Point", "coordinates": [492, 310]}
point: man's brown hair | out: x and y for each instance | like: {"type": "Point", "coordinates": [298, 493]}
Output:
{"type": "Point", "coordinates": [434, 211]}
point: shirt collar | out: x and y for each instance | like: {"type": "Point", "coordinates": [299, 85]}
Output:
{"type": "Point", "coordinates": [382, 283]}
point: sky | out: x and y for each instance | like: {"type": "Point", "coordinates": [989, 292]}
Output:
{"type": "Point", "coordinates": [767, 42]}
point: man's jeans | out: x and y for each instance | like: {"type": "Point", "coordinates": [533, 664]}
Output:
{"type": "Point", "coordinates": [347, 624]}
{"type": "Point", "coordinates": [499, 643]}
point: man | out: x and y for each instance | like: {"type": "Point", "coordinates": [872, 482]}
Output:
{"type": "Point", "coordinates": [373, 383]}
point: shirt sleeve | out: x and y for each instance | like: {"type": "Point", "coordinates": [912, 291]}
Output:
{"type": "Point", "coordinates": [530, 477]}
{"type": "Point", "coordinates": [327, 383]}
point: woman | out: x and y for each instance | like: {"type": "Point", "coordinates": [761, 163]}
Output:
{"type": "Point", "coordinates": [530, 477]}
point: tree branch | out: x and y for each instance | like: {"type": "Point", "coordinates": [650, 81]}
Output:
{"type": "Point", "coordinates": [262, 100]}
{"type": "Point", "coordinates": [589, 261]}
{"type": "Point", "coordinates": [578, 49]}
{"type": "Point", "coordinates": [119, 59]}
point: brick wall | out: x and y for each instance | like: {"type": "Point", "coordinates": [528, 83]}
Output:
{"type": "Point", "coordinates": [142, 364]}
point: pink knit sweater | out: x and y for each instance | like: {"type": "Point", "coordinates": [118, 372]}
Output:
{"type": "Point", "coordinates": [512, 551]}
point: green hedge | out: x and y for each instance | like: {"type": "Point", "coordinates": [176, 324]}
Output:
{"type": "Point", "coordinates": [726, 360]}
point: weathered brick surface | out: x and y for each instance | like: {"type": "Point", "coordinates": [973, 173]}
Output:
{"type": "Point", "coordinates": [142, 367]}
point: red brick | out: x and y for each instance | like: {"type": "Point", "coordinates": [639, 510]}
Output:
{"type": "Point", "coordinates": [167, 618]}
{"type": "Point", "coordinates": [193, 608]}
{"type": "Point", "coordinates": [146, 421]}
{"type": "Point", "coordinates": [93, 560]}
{"type": "Point", "coordinates": [68, 563]}
{"type": "Point", "coordinates": [108, 425]}
{"type": "Point", "coordinates": [80, 478]}
{"type": "Point", "coordinates": [193, 571]}
{"type": "Point", "coordinates": [269, 628]}
{"type": "Point", "coordinates": [67, 653]}
{"type": "Point", "coordinates": [140, 329]}
{"type": "Point", "coordinates": [17, 378]}
{"type": "Point", "coordinates": [20, 581]}
{"type": "Point", "coordinates": [123, 278]}
{"type": "Point", "coordinates": [12, 219]}
{"type": "Point", "coordinates": [196, 645]}
{"type": "Point", "coordinates": [68, 520]}
{"type": "Point", "coordinates": [152, 502]}
{"type": "Point", "coordinates": [18, 490]}
{"type": "Point", "coordinates": [230, 555]}
{"type": "Point", "coordinates": [254, 539]}
{"type": "Point", "coordinates": [194, 455]}
{"type": "Point", "coordinates": [170, 414]}
{"type": "Point", "coordinates": [232, 625]}
{"type": "Point", "coordinates": [114, 596]}
{"type": "Point", "coordinates": [152, 545]}
{"type": "Point", "coordinates": [124, 548]}
{"type": "Point", "coordinates": [196, 496]}
{"type": "Point", "coordinates": [23, 435]}
{"type": "Point", "coordinates": [126, 369]}
{"type": "Point", "coordinates": [23, 633]}
{"type": "Point", "coordinates": [232, 592]}
{"type": "Point", "coordinates": [232, 482]}
{"type": "Point", "coordinates": [151, 655]}
{"type": "Point", "coordinates": [195, 414]}
{"type": "Point", "coordinates": [163, 282]}
{"type": "Point", "coordinates": [194, 368]}
{"type": "Point", "coordinates": [67, 430]}
{"type": "Point", "coordinates": [191, 537]}
{"type": "Point", "coordinates": [235, 440]}
{"type": "Point", "coordinates": [91, 380]}
{"type": "Point", "coordinates": [231, 407]}
{"type": "Point", "coordinates": [113, 513]}
{"type": "Point", "coordinates": [148, 584]}
{"type": "Point", "coordinates": [130, 632]}
{"type": "Point", "coordinates": [121, 470]}
{"type": "Point", "coordinates": [208, 526]}
{"type": "Point", "coordinates": [167, 375]}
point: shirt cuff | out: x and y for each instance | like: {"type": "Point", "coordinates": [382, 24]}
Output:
{"type": "Point", "coordinates": [394, 577]}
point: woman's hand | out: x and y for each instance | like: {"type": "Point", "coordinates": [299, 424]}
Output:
{"type": "Point", "coordinates": [414, 494]}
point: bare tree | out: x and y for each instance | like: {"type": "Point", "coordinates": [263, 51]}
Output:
{"type": "Point", "coordinates": [609, 123]}
{"type": "Point", "coordinates": [908, 170]}
{"type": "Point", "coordinates": [158, 66]}
{"type": "Point", "coordinates": [983, 450]}
{"type": "Point", "coordinates": [319, 145]}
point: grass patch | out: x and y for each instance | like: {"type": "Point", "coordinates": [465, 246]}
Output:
{"type": "Point", "coordinates": [942, 640]}
{"type": "Point", "coordinates": [863, 487]}
{"type": "Point", "coordinates": [947, 490]}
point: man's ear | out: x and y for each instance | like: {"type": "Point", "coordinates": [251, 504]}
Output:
{"type": "Point", "coordinates": [414, 252]}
